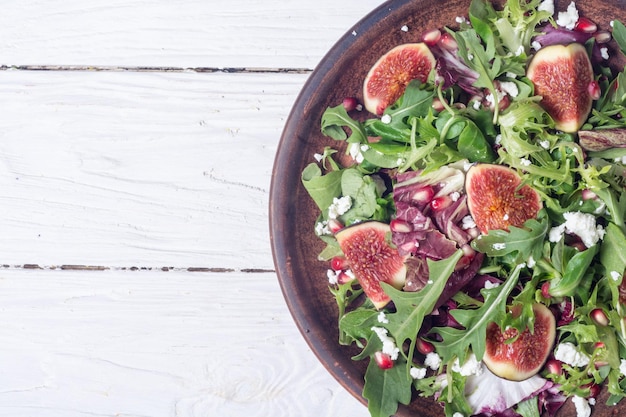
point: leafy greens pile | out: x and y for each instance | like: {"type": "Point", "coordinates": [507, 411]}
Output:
{"type": "Point", "coordinates": [494, 46]}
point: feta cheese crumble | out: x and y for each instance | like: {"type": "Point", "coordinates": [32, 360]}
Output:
{"type": "Point", "coordinates": [582, 406]}
{"type": "Point", "coordinates": [622, 367]}
{"type": "Point", "coordinates": [604, 52]}
{"type": "Point", "coordinates": [321, 228]}
{"type": "Point", "coordinates": [382, 318]}
{"type": "Point", "coordinates": [389, 345]}
{"type": "Point", "coordinates": [615, 275]}
{"type": "Point", "coordinates": [339, 206]}
{"type": "Point", "coordinates": [545, 144]}
{"type": "Point", "coordinates": [525, 162]}
{"type": "Point", "coordinates": [333, 276]}
{"type": "Point", "coordinates": [404, 28]}
{"type": "Point", "coordinates": [433, 361]}
{"type": "Point", "coordinates": [355, 152]}
{"type": "Point", "coordinates": [386, 119]}
{"type": "Point", "coordinates": [418, 373]}
{"type": "Point", "coordinates": [581, 224]}
{"type": "Point", "coordinates": [467, 222]}
{"type": "Point", "coordinates": [568, 18]}
{"type": "Point", "coordinates": [499, 246]}
{"type": "Point", "coordinates": [509, 87]}
{"type": "Point", "coordinates": [472, 366]}
{"type": "Point", "coordinates": [567, 353]}
{"type": "Point", "coordinates": [457, 414]}
{"type": "Point", "coordinates": [546, 5]}
{"type": "Point", "coordinates": [489, 285]}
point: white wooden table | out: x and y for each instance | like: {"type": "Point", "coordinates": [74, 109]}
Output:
{"type": "Point", "coordinates": [136, 144]}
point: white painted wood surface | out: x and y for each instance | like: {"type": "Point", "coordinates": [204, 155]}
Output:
{"type": "Point", "coordinates": [136, 275]}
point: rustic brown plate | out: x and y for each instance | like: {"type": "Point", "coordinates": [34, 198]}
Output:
{"type": "Point", "coordinates": [292, 214]}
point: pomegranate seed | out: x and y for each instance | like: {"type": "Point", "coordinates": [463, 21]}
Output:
{"type": "Point", "coordinates": [334, 225]}
{"type": "Point", "coordinates": [383, 360]}
{"type": "Point", "coordinates": [440, 203]}
{"type": "Point", "coordinates": [350, 103]}
{"type": "Point", "coordinates": [438, 105]}
{"type": "Point", "coordinates": [599, 345]}
{"type": "Point", "coordinates": [555, 366]}
{"type": "Point", "coordinates": [431, 37]}
{"type": "Point", "coordinates": [603, 36]}
{"type": "Point", "coordinates": [344, 277]}
{"type": "Point", "coordinates": [594, 389]}
{"type": "Point", "coordinates": [423, 195]}
{"type": "Point", "coordinates": [587, 194]}
{"type": "Point", "coordinates": [599, 317]}
{"type": "Point", "coordinates": [545, 289]}
{"type": "Point", "coordinates": [448, 42]}
{"type": "Point", "coordinates": [400, 226]}
{"type": "Point", "coordinates": [339, 263]}
{"type": "Point", "coordinates": [594, 90]}
{"type": "Point", "coordinates": [585, 25]}
{"type": "Point", "coordinates": [424, 347]}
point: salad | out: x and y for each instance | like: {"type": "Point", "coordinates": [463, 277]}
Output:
{"type": "Point", "coordinates": [473, 215]}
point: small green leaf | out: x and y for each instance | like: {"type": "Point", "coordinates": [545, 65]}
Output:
{"type": "Point", "coordinates": [385, 389]}
{"type": "Point", "coordinates": [321, 188]}
{"type": "Point", "coordinates": [335, 119]}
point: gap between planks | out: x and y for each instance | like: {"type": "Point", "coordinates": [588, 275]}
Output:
{"type": "Point", "coordinates": [133, 268]}
{"type": "Point", "coordinates": [228, 70]}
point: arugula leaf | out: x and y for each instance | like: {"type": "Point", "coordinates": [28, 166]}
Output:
{"type": "Point", "coordinates": [335, 119]}
{"type": "Point", "coordinates": [619, 34]}
{"type": "Point", "coordinates": [457, 342]}
{"type": "Point", "coordinates": [526, 241]}
{"type": "Point", "coordinates": [412, 307]}
{"type": "Point", "coordinates": [415, 101]}
{"type": "Point", "coordinates": [385, 389]}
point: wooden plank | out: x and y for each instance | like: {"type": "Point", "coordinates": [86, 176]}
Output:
{"type": "Point", "coordinates": [154, 170]}
{"type": "Point", "coordinates": [189, 33]}
{"type": "Point", "coordinates": [153, 343]}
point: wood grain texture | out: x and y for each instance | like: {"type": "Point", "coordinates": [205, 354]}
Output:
{"type": "Point", "coordinates": [139, 169]}
{"type": "Point", "coordinates": [155, 344]}
{"type": "Point", "coordinates": [188, 33]}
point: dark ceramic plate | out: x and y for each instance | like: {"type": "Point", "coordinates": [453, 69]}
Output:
{"type": "Point", "coordinates": [292, 214]}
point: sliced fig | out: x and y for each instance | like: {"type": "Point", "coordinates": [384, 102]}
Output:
{"type": "Point", "coordinates": [372, 258]}
{"type": "Point", "coordinates": [496, 199]}
{"type": "Point", "coordinates": [523, 357]}
{"type": "Point", "coordinates": [388, 78]}
{"type": "Point", "coordinates": [563, 77]}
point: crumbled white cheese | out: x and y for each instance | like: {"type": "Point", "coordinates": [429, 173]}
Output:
{"type": "Point", "coordinates": [489, 285]}
{"type": "Point", "coordinates": [509, 87]}
{"type": "Point", "coordinates": [566, 352]}
{"type": "Point", "coordinates": [389, 345]}
{"type": "Point", "coordinates": [568, 18]}
{"type": "Point", "coordinates": [430, 281]}
{"type": "Point", "coordinates": [499, 246]}
{"type": "Point", "coordinates": [498, 139]}
{"type": "Point", "coordinates": [615, 275]}
{"type": "Point", "coordinates": [467, 222]}
{"type": "Point", "coordinates": [454, 196]}
{"type": "Point", "coordinates": [318, 157]}
{"type": "Point", "coordinates": [531, 262]}
{"type": "Point", "coordinates": [535, 45]}
{"type": "Point", "coordinates": [321, 228]}
{"type": "Point", "coordinates": [546, 5]}
{"type": "Point", "coordinates": [505, 217]}
{"type": "Point", "coordinates": [581, 224]}
{"type": "Point", "coordinates": [471, 366]}
{"type": "Point", "coordinates": [333, 276]}
{"type": "Point", "coordinates": [404, 28]}
{"type": "Point", "coordinates": [545, 144]}
{"type": "Point", "coordinates": [339, 206]}
{"type": "Point", "coordinates": [359, 107]}
{"type": "Point", "coordinates": [418, 373]}
{"type": "Point", "coordinates": [525, 162]}
{"type": "Point", "coordinates": [355, 152]}
{"type": "Point", "coordinates": [476, 104]}
{"type": "Point", "coordinates": [432, 360]}
{"type": "Point", "coordinates": [604, 52]}
{"type": "Point", "coordinates": [622, 367]}
{"type": "Point", "coordinates": [582, 406]}
{"type": "Point", "coordinates": [354, 33]}
{"type": "Point", "coordinates": [386, 119]}
{"type": "Point", "coordinates": [519, 51]}
{"type": "Point", "coordinates": [382, 318]}
{"type": "Point", "coordinates": [457, 414]}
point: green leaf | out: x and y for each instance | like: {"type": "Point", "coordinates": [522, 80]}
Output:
{"type": "Point", "coordinates": [456, 342]}
{"type": "Point", "coordinates": [385, 389]}
{"type": "Point", "coordinates": [575, 269]}
{"type": "Point", "coordinates": [335, 119]}
{"type": "Point", "coordinates": [526, 241]}
{"type": "Point", "coordinates": [619, 34]}
{"type": "Point", "coordinates": [412, 307]}
{"type": "Point", "coordinates": [321, 188]}
{"type": "Point", "coordinates": [416, 101]}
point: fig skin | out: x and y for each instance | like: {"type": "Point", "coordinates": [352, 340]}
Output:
{"type": "Point", "coordinates": [496, 200]}
{"type": "Point", "coordinates": [562, 76]}
{"type": "Point", "coordinates": [372, 259]}
{"type": "Point", "coordinates": [389, 76]}
{"type": "Point", "coordinates": [525, 356]}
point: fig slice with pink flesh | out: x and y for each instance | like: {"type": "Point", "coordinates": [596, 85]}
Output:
{"type": "Point", "coordinates": [496, 199]}
{"type": "Point", "coordinates": [563, 77]}
{"type": "Point", "coordinates": [527, 353]}
{"type": "Point", "coordinates": [371, 257]}
{"type": "Point", "coordinates": [386, 81]}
